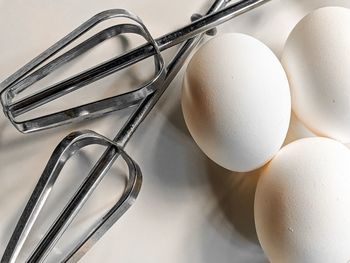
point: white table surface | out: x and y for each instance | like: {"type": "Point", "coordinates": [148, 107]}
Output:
{"type": "Point", "coordinates": [189, 209]}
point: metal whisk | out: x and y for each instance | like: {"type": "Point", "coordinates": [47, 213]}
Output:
{"type": "Point", "coordinates": [145, 97]}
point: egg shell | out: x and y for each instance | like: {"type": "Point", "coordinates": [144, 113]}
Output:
{"type": "Point", "coordinates": [316, 58]}
{"type": "Point", "coordinates": [302, 203]}
{"type": "Point", "coordinates": [236, 101]}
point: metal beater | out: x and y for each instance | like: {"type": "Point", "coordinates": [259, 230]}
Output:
{"type": "Point", "coordinates": [144, 97]}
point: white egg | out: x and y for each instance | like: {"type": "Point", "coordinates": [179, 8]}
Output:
{"type": "Point", "coordinates": [302, 203]}
{"type": "Point", "coordinates": [316, 58]}
{"type": "Point", "coordinates": [236, 101]}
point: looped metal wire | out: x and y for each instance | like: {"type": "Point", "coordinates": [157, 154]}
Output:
{"type": "Point", "coordinates": [67, 148]}
{"type": "Point", "coordinates": [24, 77]}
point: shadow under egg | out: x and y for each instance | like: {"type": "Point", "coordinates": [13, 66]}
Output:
{"type": "Point", "coordinates": [235, 193]}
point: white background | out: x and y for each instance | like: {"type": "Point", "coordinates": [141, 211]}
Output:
{"type": "Point", "coordinates": [189, 209]}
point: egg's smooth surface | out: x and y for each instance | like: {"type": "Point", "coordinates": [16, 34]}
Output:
{"type": "Point", "coordinates": [316, 58]}
{"type": "Point", "coordinates": [236, 101]}
{"type": "Point", "coordinates": [302, 203]}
